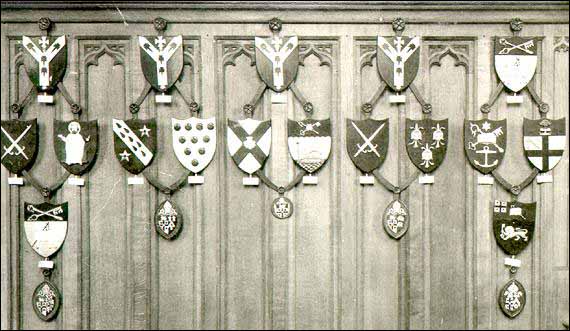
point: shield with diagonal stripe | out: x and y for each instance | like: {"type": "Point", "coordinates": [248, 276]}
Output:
{"type": "Point", "coordinates": [162, 60]}
{"type": "Point", "coordinates": [367, 143]}
{"type": "Point", "coordinates": [515, 60]}
{"type": "Point", "coordinates": [249, 143]}
{"type": "Point", "coordinates": [45, 60]}
{"type": "Point", "coordinates": [19, 144]}
{"type": "Point", "coordinates": [277, 60]}
{"type": "Point", "coordinates": [135, 143]}
{"type": "Point", "coordinates": [544, 142]}
{"type": "Point", "coordinates": [309, 142]}
{"type": "Point", "coordinates": [426, 143]}
{"type": "Point", "coordinates": [194, 142]}
{"type": "Point", "coordinates": [398, 60]}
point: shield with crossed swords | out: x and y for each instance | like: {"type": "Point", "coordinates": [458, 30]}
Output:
{"type": "Point", "coordinates": [367, 143]}
{"type": "Point", "coordinates": [194, 142]}
{"type": "Point", "coordinates": [45, 225]}
{"type": "Point", "coordinates": [249, 143]}
{"type": "Point", "coordinates": [135, 143]}
{"type": "Point", "coordinates": [515, 60]}
{"type": "Point", "coordinates": [485, 142]}
{"type": "Point", "coordinates": [19, 144]}
{"type": "Point", "coordinates": [544, 142]}
{"type": "Point", "coordinates": [309, 142]}
{"type": "Point", "coordinates": [277, 60]}
{"type": "Point", "coordinates": [398, 60]}
{"type": "Point", "coordinates": [513, 225]}
{"type": "Point", "coordinates": [45, 60]}
{"type": "Point", "coordinates": [75, 144]}
{"type": "Point", "coordinates": [162, 60]}
{"type": "Point", "coordinates": [426, 142]}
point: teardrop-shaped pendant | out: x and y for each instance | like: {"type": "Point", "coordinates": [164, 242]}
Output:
{"type": "Point", "coordinates": [46, 300]}
{"type": "Point", "coordinates": [167, 220]}
{"type": "Point", "coordinates": [396, 219]}
{"type": "Point", "coordinates": [512, 298]}
{"type": "Point", "coordinates": [282, 208]}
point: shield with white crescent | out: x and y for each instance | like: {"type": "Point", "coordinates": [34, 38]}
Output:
{"type": "Point", "coordinates": [19, 141]}
{"type": "Point", "coordinates": [485, 142]}
{"type": "Point", "coordinates": [515, 60]}
{"type": "Point", "coordinates": [277, 60]}
{"type": "Point", "coordinates": [426, 143]}
{"type": "Point", "coordinates": [398, 60]}
{"type": "Point", "coordinates": [513, 225]}
{"type": "Point", "coordinates": [135, 143]}
{"type": "Point", "coordinates": [45, 225]}
{"type": "Point", "coordinates": [544, 142]}
{"type": "Point", "coordinates": [309, 142]}
{"type": "Point", "coordinates": [45, 60]}
{"type": "Point", "coordinates": [162, 60]}
{"type": "Point", "coordinates": [249, 143]}
{"type": "Point", "coordinates": [75, 144]}
{"type": "Point", "coordinates": [367, 143]}
{"type": "Point", "coordinates": [194, 142]}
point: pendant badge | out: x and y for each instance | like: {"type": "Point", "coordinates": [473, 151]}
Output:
{"type": "Point", "coordinates": [512, 298]}
{"type": "Point", "coordinates": [168, 220]}
{"type": "Point", "coordinates": [396, 219]}
{"type": "Point", "coordinates": [282, 208]}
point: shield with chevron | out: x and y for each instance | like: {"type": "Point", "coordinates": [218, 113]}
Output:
{"type": "Point", "coordinates": [398, 60]}
{"type": "Point", "coordinates": [162, 60]}
{"type": "Point", "coordinates": [249, 143]}
{"type": "Point", "coordinates": [277, 60]}
{"type": "Point", "coordinates": [45, 60]}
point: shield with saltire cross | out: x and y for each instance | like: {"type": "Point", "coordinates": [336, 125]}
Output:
{"type": "Point", "coordinates": [19, 144]}
{"type": "Point", "coordinates": [249, 143]}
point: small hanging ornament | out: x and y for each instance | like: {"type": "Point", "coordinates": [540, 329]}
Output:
{"type": "Point", "coordinates": [396, 219]}
{"type": "Point", "coordinates": [168, 220]}
{"type": "Point", "coordinates": [512, 298]}
{"type": "Point", "coordinates": [282, 207]}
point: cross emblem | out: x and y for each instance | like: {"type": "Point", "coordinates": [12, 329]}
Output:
{"type": "Point", "coordinates": [160, 42]}
{"type": "Point", "coordinates": [44, 42]}
{"type": "Point", "coordinates": [276, 42]}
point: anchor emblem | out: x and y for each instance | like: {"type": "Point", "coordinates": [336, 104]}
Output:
{"type": "Point", "coordinates": [485, 143]}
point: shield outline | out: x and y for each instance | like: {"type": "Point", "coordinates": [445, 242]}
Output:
{"type": "Point", "coordinates": [329, 136]}
{"type": "Point", "coordinates": [264, 66]}
{"type": "Point", "coordinates": [470, 154]}
{"type": "Point", "coordinates": [526, 128]}
{"type": "Point", "coordinates": [91, 146]}
{"type": "Point", "coordinates": [13, 168]}
{"type": "Point", "coordinates": [385, 66]}
{"type": "Point", "coordinates": [414, 153]}
{"type": "Point", "coordinates": [210, 152]}
{"type": "Point", "coordinates": [45, 206]}
{"type": "Point", "coordinates": [239, 124]}
{"type": "Point", "coordinates": [57, 66]}
{"type": "Point", "coordinates": [501, 63]}
{"type": "Point", "coordinates": [384, 136]}
{"type": "Point", "coordinates": [153, 142]}
{"type": "Point", "coordinates": [148, 65]}
{"type": "Point", "coordinates": [497, 221]}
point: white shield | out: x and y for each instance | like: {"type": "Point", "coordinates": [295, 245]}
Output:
{"type": "Point", "coordinates": [45, 226]}
{"type": "Point", "coordinates": [194, 142]}
{"type": "Point", "coordinates": [515, 61]}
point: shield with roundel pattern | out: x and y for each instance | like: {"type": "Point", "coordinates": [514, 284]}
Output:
{"type": "Point", "coordinates": [194, 142]}
{"type": "Point", "coordinates": [45, 225]}
{"type": "Point", "coordinates": [513, 225]}
{"type": "Point", "coordinates": [135, 143]}
{"type": "Point", "coordinates": [398, 60]}
{"type": "Point", "coordinates": [19, 144]}
{"type": "Point", "coordinates": [485, 142]}
{"type": "Point", "coordinates": [45, 60]}
{"type": "Point", "coordinates": [367, 143]}
{"type": "Point", "coordinates": [75, 144]}
{"type": "Point", "coordinates": [426, 143]}
{"type": "Point", "coordinates": [249, 143]}
{"type": "Point", "coordinates": [309, 142]}
{"type": "Point", "coordinates": [277, 60]}
{"type": "Point", "coordinates": [162, 60]}
{"type": "Point", "coordinates": [544, 142]}
{"type": "Point", "coordinates": [515, 60]}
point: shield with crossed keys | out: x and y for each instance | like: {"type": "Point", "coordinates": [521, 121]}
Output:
{"type": "Point", "coordinates": [75, 144]}
{"type": "Point", "coordinates": [277, 60]}
{"type": "Point", "coordinates": [45, 60]}
{"type": "Point", "coordinates": [46, 226]}
{"type": "Point", "coordinates": [426, 143]}
{"type": "Point", "coordinates": [515, 60]}
{"type": "Point", "coordinates": [162, 60]}
{"type": "Point", "coordinates": [19, 144]}
{"type": "Point", "coordinates": [309, 142]}
{"type": "Point", "coordinates": [367, 143]}
{"type": "Point", "coordinates": [135, 143]}
{"type": "Point", "coordinates": [249, 143]}
{"type": "Point", "coordinates": [398, 60]}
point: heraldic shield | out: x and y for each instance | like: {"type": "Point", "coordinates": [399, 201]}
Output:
{"type": "Point", "coordinates": [194, 142]}
{"type": "Point", "coordinates": [249, 143]}
{"type": "Point", "coordinates": [162, 60]}
{"type": "Point", "coordinates": [485, 142]}
{"type": "Point", "coordinates": [515, 61]}
{"type": "Point", "coordinates": [135, 143]}
{"type": "Point", "coordinates": [426, 143]}
{"type": "Point", "coordinates": [46, 226]}
{"type": "Point", "coordinates": [45, 60]}
{"type": "Point", "coordinates": [367, 143]}
{"type": "Point", "coordinates": [277, 61]}
{"type": "Point", "coordinates": [19, 144]}
{"type": "Point", "coordinates": [309, 142]}
{"type": "Point", "coordinates": [75, 144]}
{"type": "Point", "coordinates": [398, 60]}
{"type": "Point", "coordinates": [544, 142]}
{"type": "Point", "coordinates": [513, 225]}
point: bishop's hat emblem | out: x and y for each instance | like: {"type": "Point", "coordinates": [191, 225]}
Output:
{"type": "Point", "coordinates": [309, 142]}
{"type": "Point", "coordinates": [544, 142]}
{"type": "Point", "coordinates": [277, 60]}
{"type": "Point", "coordinates": [75, 144]}
{"type": "Point", "coordinates": [398, 60]}
{"type": "Point", "coordinates": [19, 140]}
{"type": "Point", "coordinates": [249, 143]}
{"type": "Point", "coordinates": [135, 143]}
{"type": "Point", "coordinates": [485, 142]}
{"type": "Point", "coordinates": [367, 143]}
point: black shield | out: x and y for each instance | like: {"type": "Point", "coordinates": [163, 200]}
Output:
{"type": "Point", "coordinates": [426, 143]}
{"type": "Point", "coordinates": [485, 142]}
{"type": "Point", "coordinates": [45, 60]}
{"type": "Point", "coordinates": [398, 60]}
{"type": "Point", "coordinates": [19, 144]}
{"type": "Point", "coordinates": [512, 298]}
{"type": "Point", "coordinates": [513, 225]}
{"type": "Point", "coordinates": [277, 61]}
{"type": "Point", "coordinates": [135, 143]}
{"type": "Point", "coordinates": [367, 143]}
{"type": "Point", "coordinates": [162, 60]}
{"type": "Point", "coordinates": [544, 142]}
{"type": "Point", "coordinates": [309, 142]}
{"type": "Point", "coordinates": [75, 144]}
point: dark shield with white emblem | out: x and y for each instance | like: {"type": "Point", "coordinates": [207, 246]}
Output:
{"type": "Point", "coordinates": [513, 225]}
{"type": "Point", "coordinates": [45, 225]}
{"type": "Point", "coordinates": [168, 220]}
{"type": "Point", "coordinates": [162, 60]}
{"type": "Point", "coordinates": [512, 298]}
{"type": "Point", "coordinates": [19, 144]}
{"type": "Point", "coordinates": [485, 142]}
{"type": "Point", "coordinates": [398, 60]}
{"type": "Point", "coordinates": [194, 142]}
{"type": "Point", "coordinates": [367, 143]}
{"type": "Point", "coordinates": [544, 142]}
{"type": "Point", "coordinates": [45, 60]}
{"type": "Point", "coordinates": [426, 143]}
{"type": "Point", "coordinates": [309, 142]}
{"type": "Point", "coordinates": [75, 144]}
{"type": "Point", "coordinates": [249, 143]}
{"type": "Point", "coordinates": [135, 143]}
{"type": "Point", "coordinates": [277, 61]}
{"type": "Point", "coordinates": [515, 60]}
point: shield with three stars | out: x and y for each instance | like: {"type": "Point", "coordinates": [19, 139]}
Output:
{"type": "Point", "coordinates": [194, 142]}
{"type": "Point", "coordinates": [135, 143]}
{"type": "Point", "coordinates": [513, 225]}
{"type": "Point", "coordinates": [485, 142]}
{"type": "Point", "coordinates": [544, 142]}
{"type": "Point", "coordinates": [309, 142]}
{"type": "Point", "coordinates": [515, 60]}
{"type": "Point", "coordinates": [277, 60]}
{"type": "Point", "coordinates": [398, 60]}
{"type": "Point", "coordinates": [19, 144]}
{"type": "Point", "coordinates": [426, 143]}
{"type": "Point", "coordinates": [45, 60]}
{"type": "Point", "coordinates": [75, 144]}
{"type": "Point", "coordinates": [162, 60]}
{"type": "Point", "coordinates": [249, 143]}
{"type": "Point", "coordinates": [367, 143]}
